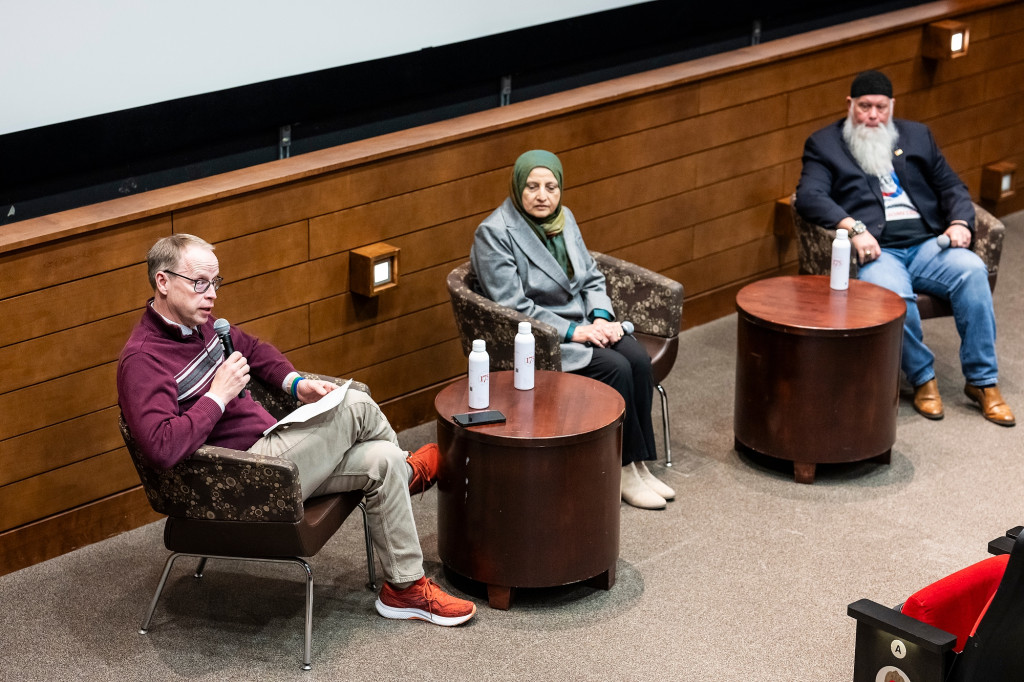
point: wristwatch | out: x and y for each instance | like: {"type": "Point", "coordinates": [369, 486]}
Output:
{"type": "Point", "coordinates": [857, 228]}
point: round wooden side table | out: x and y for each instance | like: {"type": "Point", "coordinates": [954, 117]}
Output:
{"type": "Point", "coordinates": [533, 502]}
{"type": "Point", "coordinates": [817, 371]}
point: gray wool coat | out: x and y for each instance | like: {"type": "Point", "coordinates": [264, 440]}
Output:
{"type": "Point", "coordinates": [516, 270]}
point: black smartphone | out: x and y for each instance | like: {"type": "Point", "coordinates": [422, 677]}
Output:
{"type": "Point", "coordinates": [479, 418]}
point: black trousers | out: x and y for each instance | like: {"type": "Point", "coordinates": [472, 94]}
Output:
{"type": "Point", "coordinates": [626, 367]}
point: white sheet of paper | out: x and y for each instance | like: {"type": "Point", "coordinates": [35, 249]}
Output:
{"type": "Point", "coordinates": [307, 412]}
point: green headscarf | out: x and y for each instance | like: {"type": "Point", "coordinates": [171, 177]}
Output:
{"type": "Point", "coordinates": [549, 231]}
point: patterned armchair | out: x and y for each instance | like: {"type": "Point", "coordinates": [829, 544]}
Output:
{"type": "Point", "coordinates": [814, 244]}
{"type": "Point", "coordinates": [652, 302]}
{"type": "Point", "coordinates": [229, 504]}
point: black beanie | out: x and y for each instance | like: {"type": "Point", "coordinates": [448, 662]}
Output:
{"type": "Point", "coordinates": [871, 83]}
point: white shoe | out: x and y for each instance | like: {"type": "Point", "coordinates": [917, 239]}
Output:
{"type": "Point", "coordinates": [653, 483]}
{"type": "Point", "coordinates": [636, 492]}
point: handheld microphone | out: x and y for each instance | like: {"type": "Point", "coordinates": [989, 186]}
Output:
{"type": "Point", "coordinates": [627, 327]}
{"type": "Point", "coordinates": [943, 241]}
{"type": "Point", "coordinates": [223, 329]}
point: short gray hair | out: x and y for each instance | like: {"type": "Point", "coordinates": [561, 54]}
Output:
{"type": "Point", "coordinates": [166, 253]}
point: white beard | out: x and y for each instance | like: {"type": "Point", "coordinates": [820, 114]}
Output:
{"type": "Point", "coordinates": [871, 147]}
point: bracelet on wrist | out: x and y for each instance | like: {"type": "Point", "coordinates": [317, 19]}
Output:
{"type": "Point", "coordinates": [295, 387]}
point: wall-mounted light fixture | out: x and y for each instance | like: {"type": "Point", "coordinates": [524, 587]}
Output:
{"type": "Point", "coordinates": [373, 269]}
{"type": "Point", "coordinates": [945, 39]}
{"type": "Point", "coordinates": [997, 181]}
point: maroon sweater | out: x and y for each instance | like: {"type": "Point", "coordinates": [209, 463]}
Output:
{"type": "Point", "coordinates": [162, 376]}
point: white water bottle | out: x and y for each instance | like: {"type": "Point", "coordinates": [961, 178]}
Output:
{"type": "Point", "coordinates": [840, 273]}
{"type": "Point", "coordinates": [479, 376]}
{"type": "Point", "coordinates": [524, 358]}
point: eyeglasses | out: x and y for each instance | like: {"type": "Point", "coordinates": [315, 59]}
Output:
{"type": "Point", "coordinates": [200, 285]}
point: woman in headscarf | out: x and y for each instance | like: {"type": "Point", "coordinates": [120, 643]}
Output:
{"type": "Point", "coordinates": [529, 255]}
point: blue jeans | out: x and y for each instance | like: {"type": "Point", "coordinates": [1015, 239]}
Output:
{"type": "Point", "coordinates": [957, 275]}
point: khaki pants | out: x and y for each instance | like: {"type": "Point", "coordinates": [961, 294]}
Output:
{"type": "Point", "coordinates": [353, 447]}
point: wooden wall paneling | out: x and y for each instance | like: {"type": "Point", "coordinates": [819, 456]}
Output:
{"type": "Point", "coordinates": [610, 158]}
{"type": "Point", "coordinates": [1003, 82]}
{"type": "Point", "coordinates": [792, 74]}
{"type": "Point", "coordinates": [276, 291]}
{"type": "Point", "coordinates": [66, 488]}
{"type": "Point", "coordinates": [74, 303]}
{"type": "Point", "coordinates": [724, 267]}
{"type": "Point", "coordinates": [58, 445]}
{"type": "Point", "coordinates": [259, 210]}
{"type": "Point", "coordinates": [78, 257]}
{"type": "Point", "coordinates": [1002, 144]}
{"type": "Point", "coordinates": [64, 352]}
{"type": "Point", "coordinates": [381, 342]}
{"type": "Point", "coordinates": [634, 188]}
{"type": "Point", "coordinates": [735, 194]}
{"type": "Point", "coordinates": [972, 178]}
{"type": "Point", "coordinates": [973, 121]}
{"type": "Point", "coordinates": [791, 174]}
{"type": "Point", "coordinates": [746, 156]}
{"type": "Point", "coordinates": [608, 234]}
{"type": "Point", "coordinates": [1006, 19]}
{"type": "Point", "coordinates": [653, 254]}
{"type": "Point", "coordinates": [265, 251]}
{"type": "Point", "coordinates": [722, 234]}
{"type": "Point", "coordinates": [71, 530]}
{"type": "Point", "coordinates": [409, 373]}
{"type": "Point", "coordinates": [51, 402]}
{"type": "Point", "coordinates": [286, 330]}
{"type": "Point", "coordinates": [346, 313]}
{"type": "Point", "coordinates": [964, 155]}
{"type": "Point", "coordinates": [398, 215]}
{"type": "Point", "coordinates": [441, 244]}
{"type": "Point", "coordinates": [719, 302]}
{"type": "Point", "coordinates": [925, 104]}
{"type": "Point", "coordinates": [413, 408]}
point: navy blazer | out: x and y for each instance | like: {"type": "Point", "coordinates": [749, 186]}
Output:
{"type": "Point", "coordinates": [833, 186]}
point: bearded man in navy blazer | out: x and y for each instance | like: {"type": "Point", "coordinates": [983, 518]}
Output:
{"type": "Point", "coordinates": [885, 181]}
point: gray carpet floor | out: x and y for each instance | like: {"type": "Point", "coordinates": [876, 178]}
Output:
{"type": "Point", "coordinates": [746, 576]}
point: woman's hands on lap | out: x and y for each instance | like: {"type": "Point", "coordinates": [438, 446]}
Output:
{"type": "Point", "coordinates": [600, 333]}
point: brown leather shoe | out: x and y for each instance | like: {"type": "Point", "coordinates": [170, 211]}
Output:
{"type": "Point", "coordinates": [991, 402]}
{"type": "Point", "coordinates": [927, 400]}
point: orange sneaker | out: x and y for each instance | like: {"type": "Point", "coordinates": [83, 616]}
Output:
{"type": "Point", "coordinates": [424, 600]}
{"type": "Point", "coordinates": [424, 463]}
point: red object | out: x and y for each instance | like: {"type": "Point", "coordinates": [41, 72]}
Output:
{"type": "Point", "coordinates": [959, 601]}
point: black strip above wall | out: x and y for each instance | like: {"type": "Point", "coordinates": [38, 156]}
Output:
{"type": "Point", "coordinates": [76, 163]}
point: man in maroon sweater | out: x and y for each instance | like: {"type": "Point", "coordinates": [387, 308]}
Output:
{"type": "Point", "coordinates": [177, 391]}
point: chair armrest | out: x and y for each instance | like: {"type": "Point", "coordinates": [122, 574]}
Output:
{"type": "Point", "coordinates": [652, 302]}
{"type": "Point", "coordinates": [1004, 545]}
{"type": "Point", "coordinates": [875, 615]}
{"type": "Point", "coordinates": [221, 484]}
{"type": "Point", "coordinates": [280, 402]}
{"type": "Point", "coordinates": [814, 246]}
{"type": "Point", "coordinates": [478, 317]}
{"type": "Point", "coordinates": [989, 232]}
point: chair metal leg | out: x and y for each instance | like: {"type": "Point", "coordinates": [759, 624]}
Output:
{"type": "Point", "coordinates": [307, 653]}
{"type": "Point", "coordinates": [664, 424]}
{"type": "Point", "coordinates": [371, 566]}
{"type": "Point", "coordinates": [307, 656]}
{"type": "Point", "coordinates": [144, 628]}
